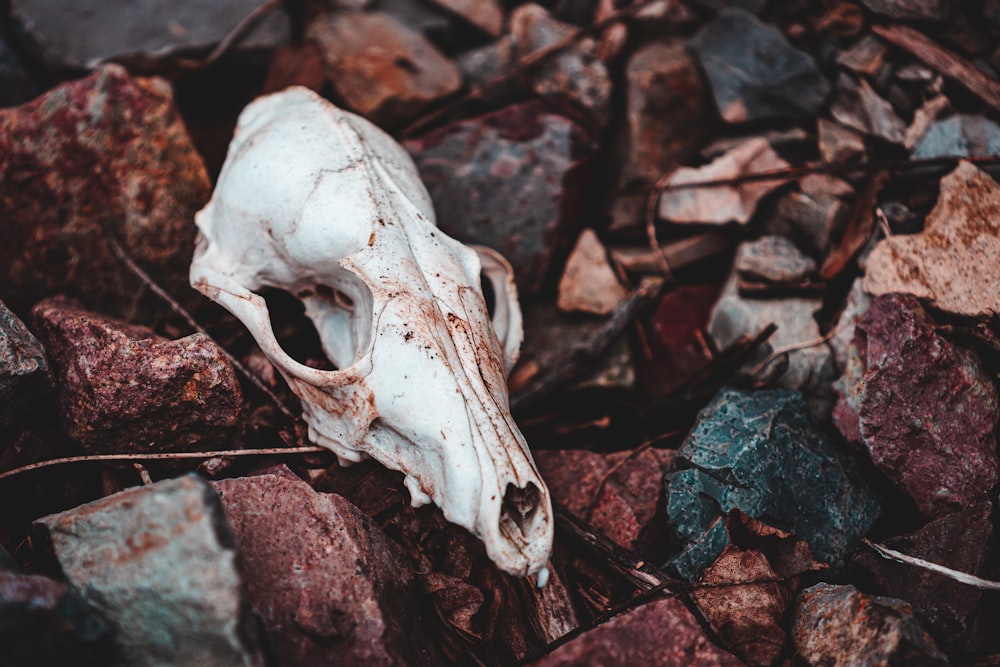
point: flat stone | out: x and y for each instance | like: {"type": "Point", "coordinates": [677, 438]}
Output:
{"type": "Point", "coordinates": [955, 262]}
{"type": "Point", "coordinates": [24, 371]}
{"type": "Point", "coordinates": [773, 259]}
{"type": "Point", "coordinates": [159, 563]}
{"type": "Point", "coordinates": [483, 177]}
{"type": "Point", "coordinates": [925, 408]}
{"type": "Point", "coordinates": [44, 622]}
{"type": "Point", "coordinates": [677, 342]}
{"type": "Point", "coordinates": [755, 74]}
{"type": "Point", "coordinates": [327, 583]}
{"type": "Point", "coordinates": [764, 454]}
{"type": "Point", "coordinates": [70, 34]}
{"type": "Point", "coordinates": [382, 69]}
{"type": "Point", "coordinates": [722, 203]}
{"type": "Point", "coordinates": [840, 626]}
{"type": "Point", "coordinates": [812, 219]}
{"type": "Point", "coordinates": [124, 389]}
{"type": "Point", "coordinates": [912, 10]}
{"type": "Point", "coordinates": [666, 104]}
{"type": "Point", "coordinates": [588, 283]}
{"type": "Point", "coordinates": [487, 15]}
{"type": "Point", "coordinates": [946, 609]}
{"type": "Point", "coordinates": [617, 493]}
{"type": "Point", "coordinates": [962, 135]}
{"type": "Point", "coordinates": [860, 108]}
{"type": "Point", "coordinates": [105, 150]}
{"type": "Point", "coordinates": [866, 56]}
{"type": "Point", "coordinates": [663, 632]}
{"type": "Point", "coordinates": [839, 144]}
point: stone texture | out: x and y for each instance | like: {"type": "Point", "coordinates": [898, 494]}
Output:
{"type": "Point", "coordinates": [617, 493]}
{"type": "Point", "coordinates": [487, 15]}
{"type": "Point", "coordinates": [677, 342]}
{"type": "Point", "coordinates": [123, 389]}
{"type": "Point", "coordinates": [588, 282]}
{"type": "Point", "coordinates": [722, 203]}
{"type": "Point", "coordinates": [839, 144]}
{"type": "Point", "coordinates": [104, 151]}
{"type": "Point", "coordinates": [945, 608]}
{"type": "Point", "coordinates": [860, 108]}
{"type": "Point", "coordinates": [925, 408]}
{"type": "Point", "coordinates": [512, 180]}
{"type": "Point", "coordinates": [666, 106]}
{"type": "Point", "coordinates": [773, 259]}
{"type": "Point", "coordinates": [962, 135]}
{"type": "Point", "coordinates": [43, 622]}
{"type": "Point", "coordinates": [755, 74]}
{"type": "Point", "coordinates": [159, 563]}
{"type": "Point", "coordinates": [663, 632]}
{"type": "Point", "coordinates": [955, 262]}
{"type": "Point", "coordinates": [914, 10]}
{"type": "Point", "coordinates": [762, 453]}
{"type": "Point", "coordinates": [24, 372]}
{"type": "Point", "coordinates": [382, 69]}
{"type": "Point", "coordinates": [838, 626]}
{"type": "Point", "coordinates": [328, 585]}
{"type": "Point", "coordinates": [71, 34]}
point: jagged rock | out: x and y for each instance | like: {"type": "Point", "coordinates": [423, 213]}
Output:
{"type": "Point", "coordinates": [487, 15]}
{"type": "Point", "coordinates": [866, 56]}
{"type": "Point", "coordinates": [961, 135]}
{"type": "Point", "coordinates": [839, 144]}
{"type": "Point", "coordinates": [858, 302]}
{"type": "Point", "coordinates": [813, 218]}
{"type": "Point", "coordinates": [773, 259]}
{"type": "Point", "coordinates": [860, 108]}
{"type": "Point", "coordinates": [588, 283]}
{"type": "Point", "coordinates": [24, 371]}
{"type": "Point", "coordinates": [159, 563]}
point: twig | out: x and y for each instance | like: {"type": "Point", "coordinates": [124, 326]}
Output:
{"type": "Point", "coordinates": [651, 202]}
{"type": "Point", "coordinates": [236, 34]}
{"type": "Point", "coordinates": [169, 456]}
{"type": "Point", "coordinates": [792, 348]}
{"type": "Point", "coordinates": [947, 63]}
{"type": "Point", "coordinates": [859, 226]}
{"type": "Point", "coordinates": [961, 577]}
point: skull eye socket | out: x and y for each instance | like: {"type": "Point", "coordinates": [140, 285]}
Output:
{"type": "Point", "coordinates": [489, 293]}
{"type": "Point", "coordinates": [294, 331]}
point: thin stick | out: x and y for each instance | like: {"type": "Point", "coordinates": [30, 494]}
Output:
{"type": "Point", "coordinates": [272, 451]}
{"type": "Point", "coordinates": [792, 348]}
{"type": "Point", "coordinates": [961, 577]}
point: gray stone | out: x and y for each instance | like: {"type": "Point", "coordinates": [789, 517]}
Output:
{"type": "Point", "coordinates": [812, 219]}
{"type": "Point", "coordinates": [327, 583]}
{"type": "Point", "coordinates": [961, 135]}
{"type": "Point", "coordinates": [423, 17]}
{"type": "Point", "coordinates": [839, 144]}
{"type": "Point", "coordinates": [73, 34]}
{"type": "Point", "coordinates": [481, 65]}
{"type": "Point", "coordinates": [762, 453]}
{"type": "Point", "coordinates": [838, 626]}
{"type": "Point", "coordinates": [754, 72]}
{"type": "Point", "coordinates": [159, 563]}
{"type": "Point", "coordinates": [24, 372]}
{"type": "Point", "coordinates": [859, 107]}
{"type": "Point", "coordinates": [773, 259]}
{"type": "Point", "coordinates": [914, 10]}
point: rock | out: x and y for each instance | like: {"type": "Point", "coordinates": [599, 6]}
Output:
{"type": "Point", "coordinates": [723, 203]}
{"type": "Point", "coordinates": [817, 185]}
{"type": "Point", "coordinates": [946, 609]}
{"type": "Point", "coordinates": [860, 108]}
{"type": "Point", "coordinates": [923, 119]}
{"type": "Point", "coordinates": [24, 372]}
{"type": "Point", "coordinates": [300, 65]}
{"type": "Point", "coordinates": [425, 18]}
{"type": "Point", "coordinates": [44, 622]}
{"type": "Point", "coordinates": [925, 408]}
{"type": "Point", "coordinates": [588, 283]}
{"type": "Point", "coordinates": [857, 305]}
{"type": "Point", "coordinates": [911, 10]}
{"type": "Point", "coordinates": [666, 106]}
{"type": "Point", "coordinates": [15, 85]}
{"type": "Point", "coordinates": [676, 343]}
{"type": "Point", "coordinates": [812, 219]}
{"type": "Point", "coordinates": [327, 583]}
{"type": "Point", "coordinates": [69, 34]}
{"type": "Point", "coordinates": [955, 262]}
{"type": "Point", "coordinates": [865, 57]}
{"type": "Point", "coordinates": [755, 74]}
{"type": "Point", "coordinates": [487, 15]}
{"type": "Point", "coordinates": [840, 626]}
{"type": "Point", "coordinates": [663, 632]}
{"type": "Point", "coordinates": [483, 177]}
{"type": "Point", "coordinates": [105, 151]}
{"type": "Point", "coordinates": [839, 144]}
{"type": "Point", "coordinates": [123, 389]}
{"type": "Point", "coordinates": [617, 493]}
{"type": "Point", "coordinates": [762, 453]}
{"type": "Point", "coordinates": [810, 368]}
{"type": "Point", "coordinates": [159, 563]}
{"type": "Point", "coordinates": [962, 135]}
{"type": "Point", "coordinates": [382, 69]}
{"type": "Point", "coordinates": [773, 259]}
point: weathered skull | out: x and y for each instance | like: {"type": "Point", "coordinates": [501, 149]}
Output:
{"type": "Point", "coordinates": [323, 204]}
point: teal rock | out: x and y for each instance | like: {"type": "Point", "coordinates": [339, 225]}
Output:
{"type": "Point", "coordinates": [764, 454]}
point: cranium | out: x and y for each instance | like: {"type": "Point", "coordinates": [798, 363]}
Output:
{"type": "Point", "coordinates": [324, 205]}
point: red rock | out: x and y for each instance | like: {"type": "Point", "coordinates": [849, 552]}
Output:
{"type": "Point", "coordinates": [662, 633]}
{"type": "Point", "coordinates": [924, 407]}
{"type": "Point", "coordinates": [328, 584]}
{"type": "Point", "coordinates": [123, 389]}
{"type": "Point", "coordinates": [104, 151]}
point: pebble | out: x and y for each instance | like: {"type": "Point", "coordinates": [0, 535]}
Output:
{"type": "Point", "coordinates": [773, 259]}
{"type": "Point", "coordinates": [961, 135]}
{"type": "Point", "coordinates": [588, 283]}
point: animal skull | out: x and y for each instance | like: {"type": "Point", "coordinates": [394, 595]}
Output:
{"type": "Point", "coordinates": [323, 204]}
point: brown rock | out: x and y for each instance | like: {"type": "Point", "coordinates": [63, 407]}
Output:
{"type": "Point", "coordinates": [839, 144]}
{"type": "Point", "coordinates": [382, 69]}
{"type": "Point", "coordinates": [487, 15]}
{"type": "Point", "coordinates": [588, 283]}
{"type": "Point", "coordinates": [659, 633]}
{"type": "Point", "coordinates": [107, 151]}
{"type": "Point", "coordinates": [123, 389]}
{"type": "Point", "coordinates": [328, 584]}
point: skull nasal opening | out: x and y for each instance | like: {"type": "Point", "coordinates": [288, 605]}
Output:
{"type": "Point", "coordinates": [520, 511]}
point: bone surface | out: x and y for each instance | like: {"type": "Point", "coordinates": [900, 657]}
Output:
{"type": "Point", "coordinates": [321, 203]}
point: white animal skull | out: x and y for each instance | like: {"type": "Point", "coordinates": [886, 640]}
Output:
{"type": "Point", "coordinates": [323, 204]}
